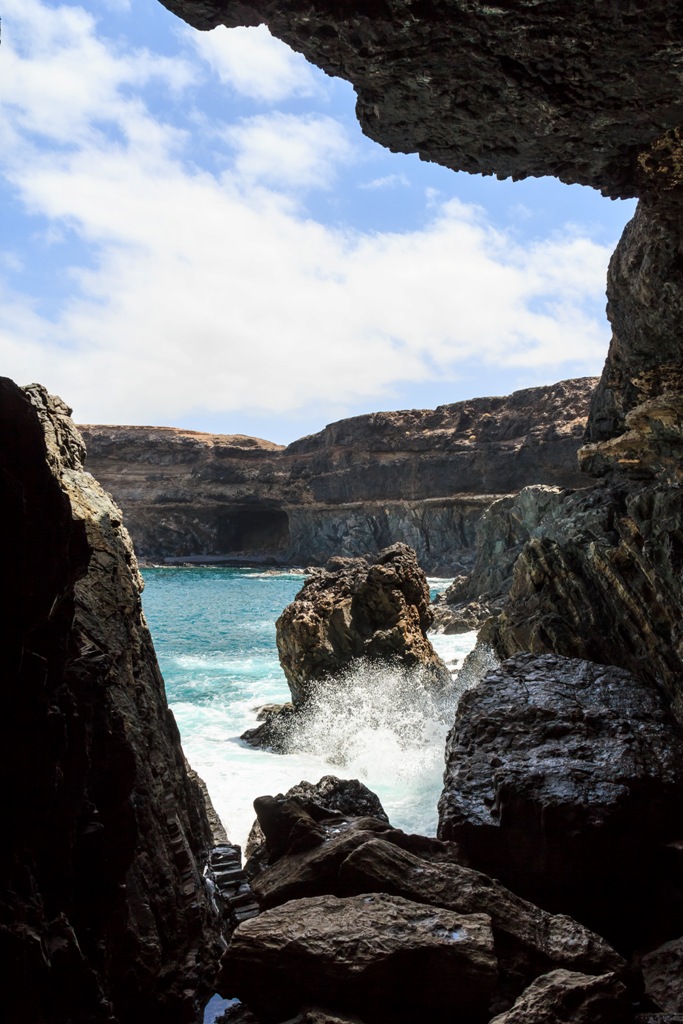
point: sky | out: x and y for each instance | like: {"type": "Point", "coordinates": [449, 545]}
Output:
{"type": "Point", "coordinates": [196, 233]}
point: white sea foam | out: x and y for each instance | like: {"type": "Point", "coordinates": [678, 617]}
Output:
{"type": "Point", "coordinates": [383, 725]}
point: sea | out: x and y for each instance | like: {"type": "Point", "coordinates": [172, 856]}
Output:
{"type": "Point", "coordinates": [214, 632]}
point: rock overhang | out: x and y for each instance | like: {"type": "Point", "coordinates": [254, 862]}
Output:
{"type": "Point", "coordinates": [589, 93]}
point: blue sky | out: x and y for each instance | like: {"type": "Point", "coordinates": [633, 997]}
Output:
{"type": "Point", "coordinates": [196, 233]}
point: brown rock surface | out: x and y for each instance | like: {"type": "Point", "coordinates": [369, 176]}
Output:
{"type": "Point", "coordinates": [564, 779]}
{"type": "Point", "coordinates": [104, 915]}
{"type": "Point", "coordinates": [355, 856]}
{"type": "Point", "coordinates": [566, 997]}
{"type": "Point", "coordinates": [420, 476]}
{"type": "Point", "coordinates": [382, 957]}
{"type": "Point", "coordinates": [376, 610]}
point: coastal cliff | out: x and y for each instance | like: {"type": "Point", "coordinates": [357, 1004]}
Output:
{"type": "Point", "coordinates": [104, 910]}
{"type": "Point", "coordinates": [419, 476]}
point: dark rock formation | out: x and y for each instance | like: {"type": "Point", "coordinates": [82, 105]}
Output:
{"type": "Point", "coordinates": [380, 956]}
{"type": "Point", "coordinates": [328, 797]}
{"type": "Point", "coordinates": [601, 580]}
{"type": "Point", "coordinates": [663, 976]}
{"type": "Point", "coordinates": [104, 914]}
{"type": "Point", "coordinates": [420, 476]}
{"type": "Point", "coordinates": [565, 997]}
{"type": "Point", "coordinates": [585, 93]}
{"type": "Point", "coordinates": [565, 779]}
{"type": "Point", "coordinates": [357, 609]}
{"type": "Point", "coordinates": [501, 533]}
{"type": "Point", "coordinates": [342, 856]}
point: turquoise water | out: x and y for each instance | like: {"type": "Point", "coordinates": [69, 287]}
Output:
{"type": "Point", "coordinates": [214, 633]}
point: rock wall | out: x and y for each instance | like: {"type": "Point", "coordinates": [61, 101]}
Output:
{"type": "Point", "coordinates": [104, 914]}
{"type": "Point", "coordinates": [420, 476]}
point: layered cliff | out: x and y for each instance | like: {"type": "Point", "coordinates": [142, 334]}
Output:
{"type": "Point", "coordinates": [104, 911]}
{"type": "Point", "coordinates": [419, 476]}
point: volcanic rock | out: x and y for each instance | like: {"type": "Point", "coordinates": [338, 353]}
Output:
{"type": "Point", "coordinates": [330, 797]}
{"type": "Point", "coordinates": [364, 855]}
{"type": "Point", "coordinates": [376, 610]}
{"type": "Point", "coordinates": [566, 997]}
{"type": "Point", "coordinates": [104, 913]}
{"type": "Point", "coordinates": [563, 778]}
{"type": "Point", "coordinates": [419, 476]}
{"type": "Point", "coordinates": [382, 957]}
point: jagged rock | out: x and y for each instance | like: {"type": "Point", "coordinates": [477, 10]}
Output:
{"type": "Point", "coordinates": [104, 914]}
{"type": "Point", "coordinates": [601, 580]}
{"type": "Point", "coordinates": [328, 797]}
{"type": "Point", "coordinates": [375, 610]}
{"type": "Point", "coordinates": [382, 957]}
{"type": "Point", "coordinates": [563, 778]}
{"type": "Point", "coordinates": [273, 733]}
{"type": "Point", "coordinates": [588, 94]}
{"type": "Point", "coordinates": [360, 485]}
{"type": "Point", "coordinates": [363, 855]}
{"type": "Point", "coordinates": [501, 533]}
{"type": "Point", "coordinates": [663, 976]}
{"type": "Point", "coordinates": [641, 389]}
{"type": "Point", "coordinates": [565, 997]}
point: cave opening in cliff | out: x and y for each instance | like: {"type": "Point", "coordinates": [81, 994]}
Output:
{"type": "Point", "coordinates": [253, 530]}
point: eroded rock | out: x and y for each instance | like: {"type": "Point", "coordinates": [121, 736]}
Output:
{"type": "Point", "coordinates": [663, 976]}
{"type": "Point", "coordinates": [104, 914]}
{"type": "Point", "coordinates": [376, 610]}
{"type": "Point", "coordinates": [567, 997]}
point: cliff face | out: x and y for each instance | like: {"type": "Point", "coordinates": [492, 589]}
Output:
{"type": "Point", "coordinates": [420, 476]}
{"type": "Point", "coordinates": [104, 914]}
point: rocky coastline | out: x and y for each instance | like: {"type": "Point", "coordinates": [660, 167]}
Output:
{"type": "Point", "coordinates": [423, 477]}
{"type": "Point", "coordinates": [563, 777]}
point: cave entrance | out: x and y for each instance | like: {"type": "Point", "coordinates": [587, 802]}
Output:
{"type": "Point", "coordinates": [253, 530]}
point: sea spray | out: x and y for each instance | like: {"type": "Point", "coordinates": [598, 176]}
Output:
{"type": "Point", "coordinates": [214, 633]}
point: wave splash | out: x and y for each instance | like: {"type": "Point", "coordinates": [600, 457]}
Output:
{"type": "Point", "coordinates": [379, 722]}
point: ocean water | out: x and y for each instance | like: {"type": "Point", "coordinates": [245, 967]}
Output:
{"type": "Point", "coordinates": [214, 633]}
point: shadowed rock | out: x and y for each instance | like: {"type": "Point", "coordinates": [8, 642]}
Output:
{"type": "Point", "coordinates": [382, 957]}
{"type": "Point", "coordinates": [565, 997]}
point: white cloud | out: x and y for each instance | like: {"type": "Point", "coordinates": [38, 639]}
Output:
{"type": "Point", "coordinates": [288, 151]}
{"type": "Point", "coordinates": [254, 63]}
{"type": "Point", "coordinates": [214, 291]}
{"type": "Point", "coordinates": [387, 181]}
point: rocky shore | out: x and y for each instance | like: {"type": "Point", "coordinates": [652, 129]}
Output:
{"type": "Point", "coordinates": [554, 893]}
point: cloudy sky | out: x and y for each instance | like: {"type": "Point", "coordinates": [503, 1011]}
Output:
{"type": "Point", "coordinates": [196, 233]}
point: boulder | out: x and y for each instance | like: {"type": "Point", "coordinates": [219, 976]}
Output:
{"type": "Point", "coordinates": [329, 797]}
{"type": "Point", "coordinates": [565, 997]}
{"type": "Point", "coordinates": [363, 855]}
{"type": "Point", "coordinates": [358, 609]}
{"type": "Point", "coordinates": [565, 778]}
{"type": "Point", "coordinates": [663, 976]}
{"type": "Point", "coordinates": [382, 957]}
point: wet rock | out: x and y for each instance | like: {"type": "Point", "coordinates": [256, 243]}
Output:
{"type": "Point", "coordinates": [376, 610]}
{"type": "Point", "coordinates": [565, 997]}
{"type": "Point", "coordinates": [362, 855]}
{"type": "Point", "coordinates": [329, 797]}
{"type": "Point", "coordinates": [564, 778]}
{"type": "Point", "coordinates": [663, 976]}
{"type": "Point", "coordinates": [382, 957]}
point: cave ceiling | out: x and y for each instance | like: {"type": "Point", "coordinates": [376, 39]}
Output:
{"type": "Point", "coordinates": [588, 92]}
